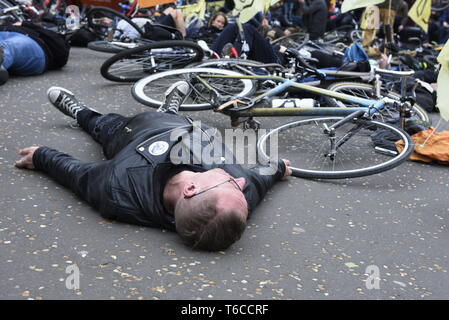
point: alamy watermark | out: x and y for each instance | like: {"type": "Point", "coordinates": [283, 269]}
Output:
{"type": "Point", "coordinates": [373, 280]}
{"type": "Point", "coordinates": [72, 282]}
{"type": "Point", "coordinates": [236, 146]}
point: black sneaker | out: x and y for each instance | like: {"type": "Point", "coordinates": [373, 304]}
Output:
{"type": "Point", "coordinates": [174, 97]}
{"type": "Point", "coordinates": [65, 101]}
{"type": "Point", "coordinates": [4, 75]}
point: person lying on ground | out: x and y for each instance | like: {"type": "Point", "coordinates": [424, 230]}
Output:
{"type": "Point", "coordinates": [27, 49]}
{"type": "Point", "coordinates": [142, 182]}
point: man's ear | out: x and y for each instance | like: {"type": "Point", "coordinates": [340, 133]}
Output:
{"type": "Point", "coordinates": [189, 190]}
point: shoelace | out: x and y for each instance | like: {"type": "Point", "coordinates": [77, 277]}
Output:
{"type": "Point", "coordinates": [71, 105]}
{"type": "Point", "coordinates": [175, 101]}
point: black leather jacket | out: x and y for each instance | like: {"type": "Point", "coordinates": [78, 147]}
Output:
{"type": "Point", "coordinates": [129, 186]}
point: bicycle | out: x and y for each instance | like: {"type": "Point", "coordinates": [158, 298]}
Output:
{"type": "Point", "coordinates": [345, 133]}
{"type": "Point", "coordinates": [149, 90]}
{"type": "Point", "coordinates": [10, 13]}
{"type": "Point", "coordinates": [133, 64]}
{"type": "Point", "coordinates": [440, 5]}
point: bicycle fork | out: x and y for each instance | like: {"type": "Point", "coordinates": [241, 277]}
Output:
{"type": "Point", "coordinates": [330, 131]}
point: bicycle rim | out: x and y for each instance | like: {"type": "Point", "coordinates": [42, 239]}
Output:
{"type": "Point", "coordinates": [95, 20]}
{"type": "Point", "coordinates": [304, 143]}
{"type": "Point", "coordinates": [134, 64]}
{"type": "Point", "coordinates": [150, 90]}
{"type": "Point", "coordinates": [364, 90]}
{"type": "Point", "coordinates": [294, 40]}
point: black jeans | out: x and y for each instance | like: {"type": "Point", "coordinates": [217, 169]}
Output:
{"type": "Point", "coordinates": [259, 48]}
{"type": "Point", "coordinates": [102, 127]}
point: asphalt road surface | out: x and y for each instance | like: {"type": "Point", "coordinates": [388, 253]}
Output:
{"type": "Point", "coordinates": [381, 237]}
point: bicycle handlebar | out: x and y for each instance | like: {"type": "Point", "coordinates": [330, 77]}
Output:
{"type": "Point", "coordinates": [400, 74]}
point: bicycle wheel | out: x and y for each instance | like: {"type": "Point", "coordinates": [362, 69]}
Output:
{"type": "Point", "coordinates": [134, 64]}
{"type": "Point", "coordinates": [294, 40]}
{"type": "Point", "coordinates": [341, 34]}
{"type": "Point", "coordinates": [100, 19]}
{"type": "Point", "coordinates": [150, 90]}
{"type": "Point", "coordinates": [308, 148]}
{"type": "Point", "coordinates": [12, 16]}
{"type": "Point", "coordinates": [244, 66]}
{"type": "Point", "coordinates": [367, 91]}
{"type": "Point", "coordinates": [440, 5]}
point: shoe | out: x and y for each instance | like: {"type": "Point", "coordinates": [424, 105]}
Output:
{"type": "Point", "coordinates": [4, 75]}
{"type": "Point", "coordinates": [65, 101]}
{"type": "Point", "coordinates": [174, 97]}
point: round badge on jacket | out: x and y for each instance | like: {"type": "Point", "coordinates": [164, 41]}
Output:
{"type": "Point", "coordinates": [157, 148]}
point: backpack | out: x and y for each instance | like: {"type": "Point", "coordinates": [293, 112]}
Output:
{"type": "Point", "coordinates": [161, 32]}
{"type": "Point", "coordinates": [82, 36]}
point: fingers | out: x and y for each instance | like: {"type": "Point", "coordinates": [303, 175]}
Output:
{"type": "Point", "coordinates": [27, 158]}
{"type": "Point", "coordinates": [25, 151]}
{"type": "Point", "coordinates": [288, 170]}
{"type": "Point", "coordinates": [21, 163]}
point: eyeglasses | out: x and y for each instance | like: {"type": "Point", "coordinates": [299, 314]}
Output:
{"type": "Point", "coordinates": [217, 185]}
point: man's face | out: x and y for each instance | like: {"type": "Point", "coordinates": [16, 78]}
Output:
{"type": "Point", "coordinates": [229, 194]}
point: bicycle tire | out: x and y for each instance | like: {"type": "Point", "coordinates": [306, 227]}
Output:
{"type": "Point", "coordinates": [304, 143]}
{"type": "Point", "coordinates": [365, 90]}
{"type": "Point", "coordinates": [294, 40]}
{"type": "Point", "coordinates": [133, 64]}
{"type": "Point", "coordinates": [340, 34]}
{"type": "Point", "coordinates": [16, 17]}
{"type": "Point", "coordinates": [101, 30]}
{"type": "Point", "coordinates": [440, 6]}
{"type": "Point", "coordinates": [150, 90]}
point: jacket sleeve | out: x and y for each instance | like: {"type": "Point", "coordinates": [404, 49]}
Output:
{"type": "Point", "coordinates": [261, 179]}
{"type": "Point", "coordinates": [66, 170]}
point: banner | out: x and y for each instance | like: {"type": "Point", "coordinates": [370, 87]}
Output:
{"type": "Point", "coordinates": [370, 19]}
{"type": "Point", "coordinates": [246, 9]}
{"type": "Point", "coordinates": [213, 6]}
{"type": "Point", "coordinates": [197, 9]}
{"type": "Point", "coordinates": [269, 3]}
{"type": "Point", "coordinates": [152, 3]}
{"type": "Point", "coordinates": [443, 82]}
{"type": "Point", "coordinates": [420, 13]}
{"type": "Point", "coordinates": [349, 5]}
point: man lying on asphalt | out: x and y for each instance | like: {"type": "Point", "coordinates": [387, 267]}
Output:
{"type": "Point", "coordinates": [206, 202]}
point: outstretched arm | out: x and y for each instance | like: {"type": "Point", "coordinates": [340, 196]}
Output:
{"type": "Point", "coordinates": [62, 167]}
{"type": "Point", "coordinates": [262, 178]}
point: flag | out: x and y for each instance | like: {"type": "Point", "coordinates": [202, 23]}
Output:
{"type": "Point", "coordinates": [420, 13]}
{"type": "Point", "coordinates": [349, 5]}
{"type": "Point", "coordinates": [197, 9]}
{"type": "Point", "coordinates": [269, 3]}
{"type": "Point", "coordinates": [370, 19]}
{"type": "Point", "coordinates": [152, 3]}
{"type": "Point", "coordinates": [443, 82]}
{"type": "Point", "coordinates": [247, 9]}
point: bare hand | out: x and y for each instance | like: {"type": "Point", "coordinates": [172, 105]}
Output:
{"type": "Point", "coordinates": [288, 171]}
{"type": "Point", "coordinates": [27, 158]}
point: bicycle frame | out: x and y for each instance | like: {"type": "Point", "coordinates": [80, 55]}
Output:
{"type": "Point", "coordinates": [368, 106]}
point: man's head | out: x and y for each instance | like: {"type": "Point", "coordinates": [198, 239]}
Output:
{"type": "Point", "coordinates": [212, 212]}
